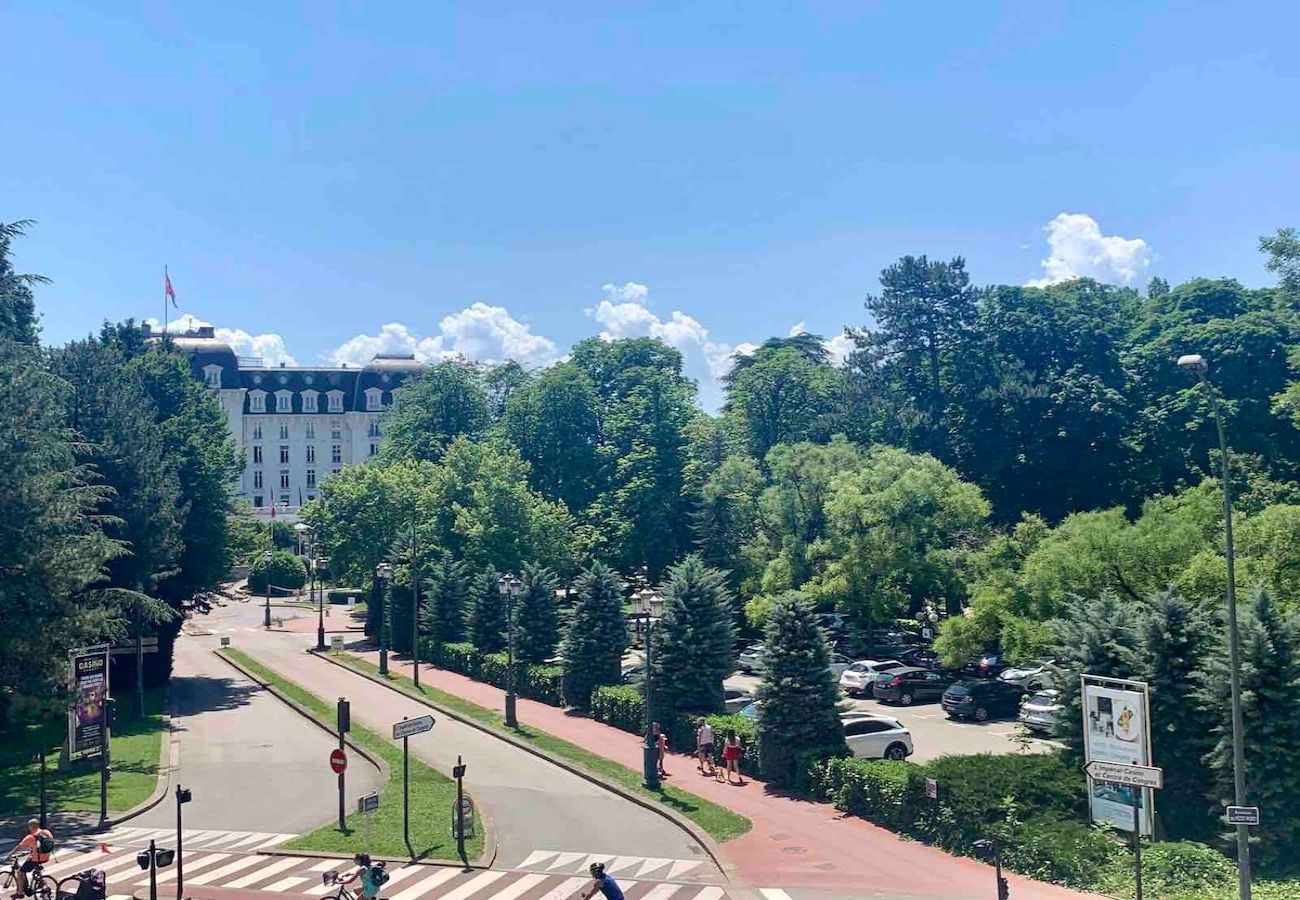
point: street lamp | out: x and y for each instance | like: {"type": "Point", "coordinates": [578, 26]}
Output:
{"type": "Point", "coordinates": [509, 587]}
{"type": "Point", "coordinates": [384, 572]}
{"type": "Point", "coordinates": [992, 849]}
{"type": "Point", "coordinates": [1196, 365]}
{"type": "Point", "coordinates": [316, 563]}
{"type": "Point", "coordinates": [652, 608]}
{"type": "Point", "coordinates": [266, 570]}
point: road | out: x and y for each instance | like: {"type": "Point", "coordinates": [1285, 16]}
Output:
{"type": "Point", "coordinates": [531, 804]}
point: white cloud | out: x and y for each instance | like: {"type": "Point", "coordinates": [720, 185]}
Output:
{"type": "Point", "coordinates": [798, 328]}
{"type": "Point", "coordinates": [1080, 250]}
{"type": "Point", "coordinates": [839, 347]}
{"type": "Point", "coordinates": [269, 346]}
{"type": "Point", "coordinates": [479, 332]}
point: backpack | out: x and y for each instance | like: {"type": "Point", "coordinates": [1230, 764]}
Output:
{"type": "Point", "coordinates": [379, 875]}
{"type": "Point", "coordinates": [91, 885]}
{"type": "Point", "coordinates": [44, 842]}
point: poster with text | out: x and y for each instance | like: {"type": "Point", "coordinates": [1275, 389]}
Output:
{"type": "Point", "coordinates": [88, 717]}
{"type": "Point", "coordinates": [1116, 729]}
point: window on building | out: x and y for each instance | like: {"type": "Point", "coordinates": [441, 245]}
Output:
{"type": "Point", "coordinates": [284, 401]}
{"type": "Point", "coordinates": [374, 398]}
{"type": "Point", "coordinates": [284, 453]}
{"type": "Point", "coordinates": [212, 376]}
{"type": "Point", "coordinates": [257, 500]}
{"type": "Point", "coordinates": [309, 401]}
{"type": "Point", "coordinates": [284, 499]}
{"type": "Point", "coordinates": [257, 456]}
{"type": "Point", "coordinates": [374, 449]}
{"type": "Point", "coordinates": [336, 453]}
{"type": "Point", "coordinates": [257, 431]}
{"type": "Point", "coordinates": [311, 453]}
{"type": "Point", "coordinates": [334, 471]}
{"type": "Point", "coordinates": [311, 478]}
{"type": "Point", "coordinates": [311, 431]}
{"type": "Point", "coordinates": [336, 401]}
{"type": "Point", "coordinates": [284, 478]}
{"type": "Point", "coordinates": [336, 430]}
{"type": "Point", "coordinates": [257, 479]}
{"type": "Point", "coordinates": [374, 428]}
{"type": "Point", "coordinates": [257, 401]}
{"type": "Point", "coordinates": [284, 431]}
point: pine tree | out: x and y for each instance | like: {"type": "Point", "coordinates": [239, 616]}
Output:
{"type": "Point", "coordinates": [537, 621]}
{"type": "Point", "coordinates": [374, 608]}
{"type": "Point", "coordinates": [597, 635]}
{"type": "Point", "coordinates": [1270, 695]}
{"type": "Point", "coordinates": [693, 644]}
{"type": "Point", "coordinates": [799, 717]}
{"type": "Point", "coordinates": [1176, 636]}
{"type": "Point", "coordinates": [487, 618]}
{"type": "Point", "coordinates": [447, 593]}
{"type": "Point", "coordinates": [400, 612]}
{"type": "Point", "coordinates": [18, 320]}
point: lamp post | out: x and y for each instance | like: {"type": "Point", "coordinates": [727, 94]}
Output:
{"type": "Point", "coordinates": [415, 608]}
{"type": "Point", "coordinates": [316, 563]}
{"type": "Point", "coordinates": [1196, 365]}
{"type": "Point", "coordinates": [384, 572]}
{"type": "Point", "coordinates": [509, 587]}
{"type": "Point", "coordinates": [266, 563]}
{"type": "Point", "coordinates": [652, 608]}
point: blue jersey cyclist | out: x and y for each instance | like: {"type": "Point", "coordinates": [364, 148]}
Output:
{"type": "Point", "coordinates": [603, 883]}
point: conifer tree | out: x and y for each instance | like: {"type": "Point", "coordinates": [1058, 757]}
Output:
{"type": "Point", "coordinates": [596, 637]}
{"type": "Point", "coordinates": [447, 593]}
{"type": "Point", "coordinates": [487, 618]}
{"type": "Point", "coordinates": [537, 620]}
{"type": "Point", "coordinates": [694, 643]}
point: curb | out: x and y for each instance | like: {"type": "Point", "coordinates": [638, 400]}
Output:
{"type": "Point", "coordinates": [489, 843]}
{"type": "Point", "coordinates": [704, 839]}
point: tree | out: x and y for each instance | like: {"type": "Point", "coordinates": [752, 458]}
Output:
{"type": "Point", "coordinates": [487, 618]}
{"type": "Point", "coordinates": [18, 320]}
{"type": "Point", "coordinates": [440, 404]}
{"type": "Point", "coordinates": [783, 396]}
{"type": "Point", "coordinates": [446, 596]}
{"type": "Point", "coordinates": [726, 518]}
{"type": "Point", "coordinates": [537, 620]}
{"type": "Point", "coordinates": [284, 571]}
{"type": "Point", "coordinates": [1283, 249]}
{"type": "Point", "coordinates": [554, 421]}
{"type": "Point", "coordinates": [596, 637]}
{"type": "Point", "coordinates": [798, 718]}
{"type": "Point", "coordinates": [694, 642]}
{"type": "Point", "coordinates": [1270, 690]}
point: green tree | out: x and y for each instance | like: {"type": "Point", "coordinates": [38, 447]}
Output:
{"type": "Point", "coordinates": [596, 637]}
{"type": "Point", "coordinates": [782, 396]}
{"type": "Point", "coordinates": [694, 642]}
{"type": "Point", "coordinates": [799, 718]}
{"type": "Point", "coordinates": [440, 404]}
{"type": "Point", "coordinates": [487, 618]}
{"type": "Point", "coordinates": [1270, 690]}
{"type": "Point", "coordinates": [18, 320]}
{"type": "Point", "coordinates": [537, 618]}
{"type": "Point", "coordinates": [726, 519]}
{"type": "Point", "coordinates": [554, 421]}
{"type": "Point", "coordinates": [446, 597]}
{"type": "Point", "coordinates": [1283, 249]}
{"type": "Point", "coordinates": [284, 570]}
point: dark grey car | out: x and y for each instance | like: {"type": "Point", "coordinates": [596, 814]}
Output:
{"type": "Point", "coordinates": [910, 684]}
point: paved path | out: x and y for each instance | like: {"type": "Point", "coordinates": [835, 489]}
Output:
{"type": "Point", "coordinates": [793, 842]}
{"type": "Point", "coordinates": [530, 803]}
{"type": "Point", "coordinates": [250, 761]}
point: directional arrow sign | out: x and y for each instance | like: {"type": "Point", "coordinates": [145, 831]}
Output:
{"type": "Point", "coordinates": [1119, 773]}
{"type": "Point", "coordinates": [408, 727]}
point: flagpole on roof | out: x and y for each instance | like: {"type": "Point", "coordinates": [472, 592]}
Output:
{"type": "Point", "coordinates": [166, 281]}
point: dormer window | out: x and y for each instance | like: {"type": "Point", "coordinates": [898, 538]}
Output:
{"type": "Point", "coordinates": [335, 401]}
{"type": "Point", "coordinates": [284, 401]}
{"type": "Point", "coordinates": [309, 401]}
{"type": "Point", "coordinates": [374, 399]}
{"type": "Point", "coordinates": [212, 376]}
{"type": "Point", "coordinates": [257, 401]}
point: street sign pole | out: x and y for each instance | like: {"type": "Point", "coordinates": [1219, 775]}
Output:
{"type": "Point", "coordinates": [344, 724]}
{"type": "Point", "coordinates": [1137, 846]}
{"type": "Point", "coordinates": [41, 757]}
{"type": "Point", "coordinates": [406, 794]}
{"type": "Point", "coordinates": [153, 871]}
{"type": "Point", "coordinates": [459, 772]}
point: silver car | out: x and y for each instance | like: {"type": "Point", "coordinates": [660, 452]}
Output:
{"type": "Point", "coordinates": [1040, 711]}
{"type": "Point", "coordinates": [858, 678]}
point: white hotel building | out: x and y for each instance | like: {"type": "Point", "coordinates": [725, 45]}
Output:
{"type": "Point", "coordinates": [295, 426]}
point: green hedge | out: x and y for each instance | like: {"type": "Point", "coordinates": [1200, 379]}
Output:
{"type": "Point", "coordinates": [287, 571]}
{"type": "Point", "coordinates": [619, 705]}
{"type": "Point", "coordinates": [341, 595]}
{"type": "Point", "coordinates": [541, 683]}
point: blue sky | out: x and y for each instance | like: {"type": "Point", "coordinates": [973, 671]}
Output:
{"type": "Point", "coordinates": [714, 172]}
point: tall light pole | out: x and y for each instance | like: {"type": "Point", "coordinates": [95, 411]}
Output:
{"type": "Point", "coordinates": [1196, 364]}
{"type": "Point", "coordinates": [509, 587]}
{"type": "Point", "coordinates": [266, 568]}
{"type": "Point", "coordinates": [415, 607]}
{"type": "Point", "coordinates": [651, 604]}
{"type": "Point", "coordinates": [316, 563]}
{"type": "Point", "coordinates": [384, 572]}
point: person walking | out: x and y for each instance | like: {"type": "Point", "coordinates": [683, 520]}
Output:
{"type": "Point", "coordinates": [661, 748]}
{"type": "Point", "coordinates": [704, 746]}
{"type": "Point", "coordinates": [603, 883]}
{"type": "Point", "coordinates": [731, 751]}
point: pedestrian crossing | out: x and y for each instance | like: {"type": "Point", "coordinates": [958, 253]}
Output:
{"type": "Point", "coordinates": [192, 839]}
{"type": "Point", "coordinates": [576, 863]}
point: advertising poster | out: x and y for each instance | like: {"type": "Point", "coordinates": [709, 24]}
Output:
{"type": "Point", "coordinates": [87, 718]}
{"type": "Point", "coordinates": [1115, 729]}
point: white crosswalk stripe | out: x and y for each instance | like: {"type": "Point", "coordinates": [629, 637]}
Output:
{"type": "Point", "coordinates": [326, 865]}
{"type": "Point", "coordinates": [712, 892]}
{"type": "Point", "coordinates": [565, 861]}
{"type": "Point", "coordinates": [474, 885]}
{"type": "Point", "coordinates": [518, 888]}
{"type": "Point", "coordinates": [285, 883]}
{"type": "Point", "coordinates": [265, 872]}
{"type": "Point", "coordinates": [773, 894]}
{"type": "Point", "coordinates": [566, 889]}
{"type": "Point", "coordinates": [425, 884]}
{"type": "Point", "coordinates": [192, 865]}
{"type": "Point", "coordinates": [230, 868]}
{"type": "Point", "coordinates": [662, 891]}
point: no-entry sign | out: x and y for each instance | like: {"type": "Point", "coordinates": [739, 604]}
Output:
{"type": "Point", "coordinates": [338, 761]}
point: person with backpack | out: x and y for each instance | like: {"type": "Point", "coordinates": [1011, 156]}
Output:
{"type": "Point", "coordinates": [372, 875]}
{"type": "Point", "coordinates": [38, 844]}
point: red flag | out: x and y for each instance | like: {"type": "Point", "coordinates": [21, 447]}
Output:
{"type": "Point", "coordinates": [272, 509]}
{"type": "Point", "coordinates": [167, 287]}
{"type": "Point", "coordinates": [103, 848]}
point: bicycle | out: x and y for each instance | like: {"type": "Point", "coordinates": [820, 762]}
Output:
{"type": "Point", "coordinates": [342, 893]}
{"type": "Point", "coordinates": [40, 885]}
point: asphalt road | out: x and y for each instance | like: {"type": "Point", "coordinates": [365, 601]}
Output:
{"type": "Point", "coordinates": [250, 761]}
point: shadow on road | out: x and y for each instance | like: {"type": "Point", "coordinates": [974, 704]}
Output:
{"type": "Point", "coordinates": [192, 694]}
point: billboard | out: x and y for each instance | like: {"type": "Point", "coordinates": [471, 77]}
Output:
{"type": "Point", "coordinates": [88, 717]}
{"type": "Point", "coordinates": [1116, 729]}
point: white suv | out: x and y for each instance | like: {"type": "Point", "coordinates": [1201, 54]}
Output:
{"type": "Point", "coordinates": [859, 678]}
{"type": "Point", "coordinates": [877, 737]}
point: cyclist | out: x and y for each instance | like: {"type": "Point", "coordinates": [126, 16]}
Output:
{"type": "Point", "coordinates": [603, 883]}
{"type": "Point", "coordinates": [369, 877]}
{"type": "Point", "coordinates": [38, 844]}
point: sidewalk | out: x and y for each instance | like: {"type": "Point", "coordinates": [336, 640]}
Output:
{"type": "Point", "coordinates": [794, 842]}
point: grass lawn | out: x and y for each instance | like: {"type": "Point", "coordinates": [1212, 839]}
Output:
{"type": "Point", "coordinates": [721, 823]}
{"type": "Point", "coordinates": [134, 747]}
{"type": "Point", "coordinates": [433, 795]}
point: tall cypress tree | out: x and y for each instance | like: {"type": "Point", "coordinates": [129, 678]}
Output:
{"type": "Point", "coordinates": [693, 644]}
{"type": "Point", "coordinates": [446, 595]}
{"type": "Point", "coordinates": [537, 620]}
{"type": "Point", "coordinates": [1270, 696]}
{"type": "Point", "coordinates": [597, 635]}
{"type": "Point", "coordinates": [487, 618]}
{"type": "Point", "coordinates": [799, 716]}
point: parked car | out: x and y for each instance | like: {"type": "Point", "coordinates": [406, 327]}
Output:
{"type": "Point", "coordinates": [909, 684]}
{"type": "Point", "coordinates": [987, 666]}
{"type": "Point", "coordinates": [859, 678]}
{"type": "Point", "coordinates": [735, 699]}
{"type": "Point", "coordinates": [1028, 678]}
{"type": "Point", "coordinates": [750, 711]}
{"type": "Point", "coordinates": [839, 662]}
{"type": "Point", "coordinates": [877, 737]}
{"type": "Point", "coordinates": [1040, 710]}
{"type": "Point", "coordinates": [751, 658]}
{"type": "Point", "coordinates": [981, 700]}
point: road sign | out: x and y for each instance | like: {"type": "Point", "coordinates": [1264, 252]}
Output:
{"type": "Point", "coordinates": [368, 803]}
{"type": "Point", "coordinates": [408, 727]}
{"type": "Point", "coordinates": [932, 788]}
{"type": "Point", "coordinates": [1243, 815]}
{"type": "Point", "coordinates": [337, 642]}
{"type": "Point", "coordinates": [338, 761]}
{"type": "Point", "coordinates": [1119, 773]}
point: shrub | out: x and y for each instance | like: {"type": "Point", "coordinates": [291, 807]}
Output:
{"type": "Point", "coordinates": [341, 595]}
{"type": "Point", "coordinates": [462, 658]}
{"type": "Point", "coordinates": [1174, 869]}
{"type": "Point", "coordinates": [621, 706]}
{"type": "Point", "coordinates": [286, 571]}
{"type": "Point", "coordinates": [536, 682]}
{"type": "Point", "coordinates": [1063, 851]}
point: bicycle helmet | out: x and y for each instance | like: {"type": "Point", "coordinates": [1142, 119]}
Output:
{"type": "Point", "coordinates": [597, 869]}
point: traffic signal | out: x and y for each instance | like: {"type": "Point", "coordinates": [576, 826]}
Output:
{"type": "Point", "coordinates": [345, 716]}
